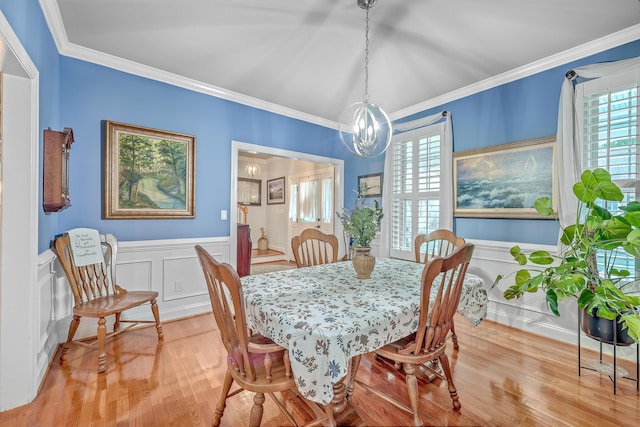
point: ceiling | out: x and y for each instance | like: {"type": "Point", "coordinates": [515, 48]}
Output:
{"type": "Point", "coordinates": [306, 58]}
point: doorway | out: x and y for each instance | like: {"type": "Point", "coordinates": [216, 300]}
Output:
{"type": "Point", "coordinates": [281, 230]}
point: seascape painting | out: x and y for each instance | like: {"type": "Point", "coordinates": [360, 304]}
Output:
{"type": "Point", "coordinates": [504, 181]}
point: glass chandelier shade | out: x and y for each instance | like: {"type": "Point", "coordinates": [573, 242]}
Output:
{"type": "Point", "coordinates": [253, 169]}
{"type": "Point", "coordinates": [365, 129]}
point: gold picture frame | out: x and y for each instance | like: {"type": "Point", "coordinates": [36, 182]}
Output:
{"type": "Point", "coordinates": [148, 173]}
{"type": "Point", "coordinates": [503, 181]}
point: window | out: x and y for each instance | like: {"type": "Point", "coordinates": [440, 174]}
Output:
{"type": "Point", "coordinates": [416, 187]}
{"type": "Point", "coordinates": [607, 111]}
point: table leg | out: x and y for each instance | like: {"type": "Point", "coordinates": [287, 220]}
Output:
{"type": "Point", "coordinates": [339, 401]}
{"type": "Point", "coordinates": [354, 364]}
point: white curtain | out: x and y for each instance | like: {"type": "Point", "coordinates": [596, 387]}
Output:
{"type": "Point", "coordinates": [569, 134]}
{"type": "Point", "coordinates": [446, 183]}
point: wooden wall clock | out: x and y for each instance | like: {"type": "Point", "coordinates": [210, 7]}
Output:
{"type": "Point", "coordinates": [55, 191]}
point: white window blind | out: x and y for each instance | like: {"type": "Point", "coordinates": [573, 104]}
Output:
{"type": "Point", "coordinates": [415, 188]}
{"type": "Point", "coordinates": [608, 118]}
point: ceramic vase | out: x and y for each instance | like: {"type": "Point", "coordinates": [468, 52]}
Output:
{"type": "Point", "coordinates": [263, 244]}
{"type": "Point", "coordinates": [363, 262]}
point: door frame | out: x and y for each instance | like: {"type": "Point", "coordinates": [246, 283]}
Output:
{"type": "Point", "coordinates": [237, 146]}
{"type": "Point", "coordinates": [19, 266]}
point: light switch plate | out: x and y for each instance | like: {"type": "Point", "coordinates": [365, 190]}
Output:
{"type": "Point", "coordinates": [223, 215]}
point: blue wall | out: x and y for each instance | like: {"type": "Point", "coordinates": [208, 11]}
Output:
{"type": "Point", "coordinates": [81, 95]}
{"type": "Point", "coordinates": [520, 110]}
{"type": "Point", "coordinates": [93, 93]}
{"type": "Point", "coordinates": [27, 21]}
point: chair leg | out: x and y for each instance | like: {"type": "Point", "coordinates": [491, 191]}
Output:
{"type": "Point", "coordinates": [222, 403]}
{"type": "Point", "coordinates": [156, 315]}
{"type": "Point", "coordinates": [444, 363]}
{"type": "Point", "coordinates": [73, 327]}
{"type": "Point", "coordinates": [256, 411]}
{"type": "Point", "coordinates": [116, 323]}
{"type": "Point", "coordinates": [454, 337]}
{"type": "Point", "coordinates": [412, 387]}
{"type": "Point", "coordinates": [102, 334]}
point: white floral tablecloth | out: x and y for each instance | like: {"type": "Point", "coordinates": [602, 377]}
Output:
{"type": "Point", "coordinates": [324, 315]}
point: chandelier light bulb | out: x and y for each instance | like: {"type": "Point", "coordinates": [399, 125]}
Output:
{"type": "Point", "coordinates": [365, 129]}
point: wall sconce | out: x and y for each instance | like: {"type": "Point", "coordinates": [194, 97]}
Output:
{"type": "Point", "coordinates": [253, 169]}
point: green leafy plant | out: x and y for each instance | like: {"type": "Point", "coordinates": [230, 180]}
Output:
{"type": "Point", "coordinates": [597, 235]}
{"type": "Point", "coordinates": [362, 222]}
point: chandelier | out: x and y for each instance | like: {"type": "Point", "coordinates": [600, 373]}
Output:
{"type": "Point", "coordinates": [364, 127]}
{"type": "Point", "coordinates": [253, 169]}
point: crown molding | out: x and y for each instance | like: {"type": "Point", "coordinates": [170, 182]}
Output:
{"type": "Point", "coordinates": [590, 48]}
{"type": "Point", "coordinates": [54, 21]}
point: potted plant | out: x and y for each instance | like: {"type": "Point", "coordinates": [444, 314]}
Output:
{"type": "Point", "coordinates": [361, 225]}
{"type": "Point", "coordinates": [598, 236]}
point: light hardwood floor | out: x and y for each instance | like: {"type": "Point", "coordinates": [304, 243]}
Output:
{"type": "Point", "coordinates": [504, 377]}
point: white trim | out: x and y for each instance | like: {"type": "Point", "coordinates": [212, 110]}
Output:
{"type": "Point", "coordinates": [54, 21]}
{"type": "Point", "coordinates": [22, 239]}
{"type": "Point", "coordinates": [590, 48]}
{"type": "Point", "coordinates": [56, 26]}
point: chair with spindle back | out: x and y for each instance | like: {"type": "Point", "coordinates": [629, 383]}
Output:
{"type": "Point", "coordinates": [96, 293]}
{"type": "Point", "coordinates": [445, 276]}
{"type": "Point", "coordinates": [254, 362]}
{"type": "Point", "coordinates": [313, 247]}
{"type": "Point", "coordinates": [438, 243]}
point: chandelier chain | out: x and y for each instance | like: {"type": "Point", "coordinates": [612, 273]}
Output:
{"type": "Point", "coordinates": [366, 59]}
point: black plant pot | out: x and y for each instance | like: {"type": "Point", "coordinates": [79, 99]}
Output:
{"type": "Point", "coordinates": [601, 329]}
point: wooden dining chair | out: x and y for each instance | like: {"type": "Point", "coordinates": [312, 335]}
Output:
{"type": "Point", "coordinates": [438, 243]}
{"type": "Point", "coordinates": [97, 295]}
{"type": "Point", "coordinates": [313, 247]}
{"type": "Point", "coordinates": [254, 362]}
{"type": "Point", "coordinates": [444, 276]}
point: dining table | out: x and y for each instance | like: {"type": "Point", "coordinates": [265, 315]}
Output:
{"type": "Point", "coordinates": [325, 316]}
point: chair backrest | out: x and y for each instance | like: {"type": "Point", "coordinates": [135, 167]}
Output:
{"type": "Point", "coordinates": [439, 243]}
{"type": "Point", "coordinates": [91, 281]}
{"type": "Point", "coordinates": [227, 303]}
{"type": "Point", "coordinates": [446, 275]}
{"type": "Point", "coordinates": [313, 247]}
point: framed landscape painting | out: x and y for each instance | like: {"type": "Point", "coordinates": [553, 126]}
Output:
{"type": "Point", "coordinates": [148, 173]}
{"type": "Point", "coordinates": [503, 181]}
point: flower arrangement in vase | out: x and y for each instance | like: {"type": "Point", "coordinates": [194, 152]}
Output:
{"type": "Point", "coordinates": [361, 224]}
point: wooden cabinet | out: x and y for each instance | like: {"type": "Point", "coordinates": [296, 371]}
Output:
{"type": "Point", "coordinates": [55, 191]}
{"type": "Point", "coordinates": [244, 250]}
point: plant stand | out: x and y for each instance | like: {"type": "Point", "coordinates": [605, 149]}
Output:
{"type": "Point", "coordinates": [603, 367]}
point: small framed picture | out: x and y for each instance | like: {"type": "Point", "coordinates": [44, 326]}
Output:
{"type": "Point", "coordinates": [370, 185]}
{"type": "Point", "coordinates": [275, 191]}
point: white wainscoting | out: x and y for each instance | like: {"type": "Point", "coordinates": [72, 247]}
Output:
{"type": "Point", "coordinates": [171, 268]}
{"type": "Point", "coordinates": [529, 313]}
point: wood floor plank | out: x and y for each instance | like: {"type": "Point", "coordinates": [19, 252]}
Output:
{"type": "Point", "coordinates": [504, 377]}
